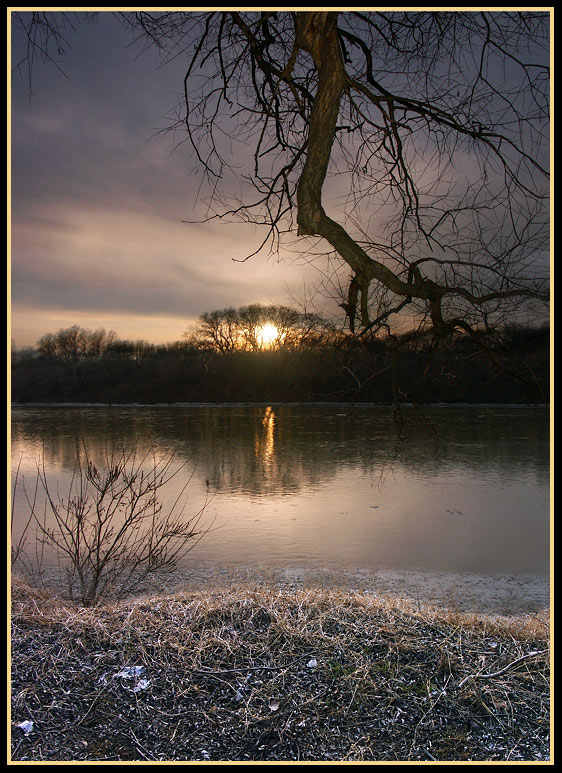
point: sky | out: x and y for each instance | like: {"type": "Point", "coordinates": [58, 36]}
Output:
{"type": "Point", "coordinates": [99, 200]}
{"type": "Point", "coordinates": [101, 196]}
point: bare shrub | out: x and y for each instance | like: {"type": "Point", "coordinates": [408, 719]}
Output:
{"type": "Point", "coordinates": [111, 529]}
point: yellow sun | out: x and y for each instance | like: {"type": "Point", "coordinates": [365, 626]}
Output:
{"type": "Point", "coordinates": [267, 335]}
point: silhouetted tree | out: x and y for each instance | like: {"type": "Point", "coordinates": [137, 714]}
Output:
{"type": "Point", "coordinates": [218, 330]}
{"type": "Point", "coordinates": [47, 345]}
{"type": "Point", "coordinates": [410, 148]}
{"type": "Point", "coordinates": [229, 330]}
{"type": "Point", "coordinates": [297, 329]}
{"type": "Point", "coordinates": [414, 144]}
{"type": "Point", "coordinates": [75, 343]}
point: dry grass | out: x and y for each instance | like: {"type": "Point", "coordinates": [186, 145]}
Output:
{"type": "Point", "coordinates": [253, 673]}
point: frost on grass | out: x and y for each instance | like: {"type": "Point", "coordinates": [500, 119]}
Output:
{"type": "Point", "coordinates": [257, 674]}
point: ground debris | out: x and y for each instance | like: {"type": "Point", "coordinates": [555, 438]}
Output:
{"type": "Point", "coordinates": [265, 674]}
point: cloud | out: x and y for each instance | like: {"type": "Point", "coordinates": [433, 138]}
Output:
{"type": "Point", "coordinates": [98, 200]}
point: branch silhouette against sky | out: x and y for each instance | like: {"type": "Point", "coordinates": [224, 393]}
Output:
{"type": "Point", "coordinates": [399, 158]}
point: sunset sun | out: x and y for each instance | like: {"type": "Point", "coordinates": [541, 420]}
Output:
{"type": "Point", "coordinates": [267, 335]}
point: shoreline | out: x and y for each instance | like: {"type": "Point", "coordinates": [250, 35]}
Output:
{"type": "Point", "coordinates": [504, 595]}
{"type": "Point", "coordinates": [348, 403]}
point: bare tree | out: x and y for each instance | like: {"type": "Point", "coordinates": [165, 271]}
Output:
{"type": "Point", "coordinates": [47, 345]}
{"type": "Point", "coordinates": [76, 342]}
{"type": "Point", "coordinates": [98, 341]}
{"type": "Point", "coordinates": [46, 37]}
{"type": "Point", "coordinates": [413, 144]}
{"type": "Point", "coordinates": [296, 329]}
{"type": "Point", "coordinates": [409, 148]}
{"type": "Point", "coordinates": [218, 330]}
{"type": "Point", "coordinates": [229, 330]}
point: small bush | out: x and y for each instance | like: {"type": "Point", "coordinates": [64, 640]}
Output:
{"type": "Point", "coordinates": [111, 531]}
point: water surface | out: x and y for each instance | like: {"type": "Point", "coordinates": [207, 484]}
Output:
{"type": "Point", "coordinates": [447, 489]}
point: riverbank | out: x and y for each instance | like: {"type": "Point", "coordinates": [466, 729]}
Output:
{"type": "Point", "coordinates": [262, 672]}
{"type": "Point", "coordinates": [499, 594]}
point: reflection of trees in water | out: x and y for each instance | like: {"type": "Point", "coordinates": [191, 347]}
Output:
{"type": "Point", "coordinates": [281, 449]}
{"type": "Point", "coordinates": [259, 450]}
{"type": "Point", "coordinates": [504, 439]}
{"type": "Point", "coordinates": [55, 436]}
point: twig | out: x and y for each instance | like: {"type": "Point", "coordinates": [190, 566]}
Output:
{"type": "Point", "coordinates": [234, 670]}
{"type": "Point", "coordinates": [502, 670]}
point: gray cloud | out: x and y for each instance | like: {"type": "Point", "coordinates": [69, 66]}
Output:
{"type": "Point", "coordinates": [98, 198]}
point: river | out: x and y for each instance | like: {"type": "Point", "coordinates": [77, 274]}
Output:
{"type": "Point", "coordinates": [439, 490]}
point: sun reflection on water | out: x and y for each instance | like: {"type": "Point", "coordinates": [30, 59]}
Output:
{"type": "Point", "coordinates": [265, 443]}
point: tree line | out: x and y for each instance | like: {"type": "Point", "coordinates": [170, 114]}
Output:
{"type": "Point", "coordinates": [222, 331]}
{"type": "Point", "coordinates": [223, 359]}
